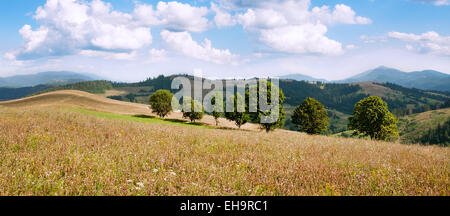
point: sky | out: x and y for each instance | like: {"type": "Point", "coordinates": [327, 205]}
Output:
{"type": "Point", "coordinates": [130, 40]}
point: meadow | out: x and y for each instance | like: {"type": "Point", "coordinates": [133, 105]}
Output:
{"type": "Point", "coordinates": [46, 150]}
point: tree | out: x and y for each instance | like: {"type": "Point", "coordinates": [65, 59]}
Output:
{"type": "Point", "coordinates": [217, 106]}
{"type": "Point", "coordinates": [239, 118]}
{"type": "Point", "coordinates": [278, 120]}
{"type": "Point", "coordinates": [160, 102]}
{"type": "Point", "coordinates": [311, 117]}
{"type": "Point", "coordinates": [191, 109]}
{"type": "Point", "coordinates": [371, 117]}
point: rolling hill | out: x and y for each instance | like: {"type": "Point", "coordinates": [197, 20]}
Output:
{"type": "Point", "coordinates": [48, 150]}
{"type": "Point", "coordinates": [413, 127]}
{"type": "Point", "coordinates": [426, 79]}
{"type": "Point", "coordinates": [338, 98]}
{"type": "Point", "coordinates": [51, 78]}
{"type": "Point", "coordinates": [84, 100]}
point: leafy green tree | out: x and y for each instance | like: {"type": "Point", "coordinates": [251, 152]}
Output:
{"type": "Point", "coordinates": [217, 106]}
{"type": "Point", "coordinates": [311, 117]}
{"type": "Point", "coordinates": [239, 118]}
{"type": "Point", "coordinates": [190, 109]}
{"type": "Point", "coordinates": [371, 117]}
{"type": "Point", "coordinates": [160, 102]}
{"type": "Point", "coordinates": [278, 120]}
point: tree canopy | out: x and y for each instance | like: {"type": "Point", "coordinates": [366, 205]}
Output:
{"type": "Point", "coordinates": [272, 121]}
{"type": "Point", "coordinates": [371, 117]}
{"type": "Point", "coordinates": [192, 109]}
{"type": "Point", "coordinates": [311, 117]}
{"type": "Point", "coordinates": [160, 102]}
{"type": "Point", "coordinates": [239, 118]}
{"type": "Point", "coordinates": [217, 106]}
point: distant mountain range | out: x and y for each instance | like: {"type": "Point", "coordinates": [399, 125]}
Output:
{"type": "Point", "coordinates": [426, 79]}
{"type": "Point", "coordinates": [49, 78]}
{"type": "Point", "coordinates": [300, 77]}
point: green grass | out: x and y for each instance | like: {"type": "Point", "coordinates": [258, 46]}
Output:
{"type": "Point", "coordinates": [140, 118]}
{"type": "Point", "coordinates": [46, 151]}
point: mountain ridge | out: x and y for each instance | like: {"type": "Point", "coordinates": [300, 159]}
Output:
{"type": "Point", "coordinates": [47, 77]}
{"type": "Point", "coordinates": [425, 79]}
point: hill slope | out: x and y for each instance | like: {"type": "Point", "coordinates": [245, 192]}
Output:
{"type": "Point", "coordinates": [412, 127]}
{"type": "Point", "coordinates": [84, 100]}
{"type": "Point", "coordinates": [427, 79]}
{"type": "Point", "coordinates": [47, 151]}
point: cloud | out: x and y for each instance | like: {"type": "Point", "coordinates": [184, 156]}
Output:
{"type": "Point", "coordinates": [434, 2]}
{"type": "Point", "coordinates": [373, 39]}
{"type": "Point", "coordinates": [429, 42]}
{"type": "Point", "coordinates": [94, 28]}
{"type": "Point", "coordinates": [109, 55]}
{"type": "Point", "coordinates": [238, 4]}
{"type": "Point", "coordinates": [182, 42]}
{"type": "Point", "coordinates": [71, 26]}
{"type": "Point", "coordinates": [307, 38]}
{"type": "Point", "coordinates": [222, 18]}
{"type": "Point", "coordinates": [157, 55]}
{"type": "Point", "coordinates": [351, 47]}
{"type": "Point", "coordinates": [294, 27]}
{"type": "Point", "coordinates": [173, 15]}
{"type": "Point", "coordinates": [341, 14]}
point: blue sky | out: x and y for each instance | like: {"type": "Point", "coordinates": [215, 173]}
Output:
{"type": "Point", "coordinates": [130, 40]}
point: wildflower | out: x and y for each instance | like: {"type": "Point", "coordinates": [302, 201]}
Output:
{"type": "Point", "coordinates": [155, 170]}
{"type": "Point", "coordinates": [140, 184]}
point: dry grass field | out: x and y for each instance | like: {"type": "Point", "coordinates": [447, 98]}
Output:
{"type": "Point", "coordinates": [48, 150]}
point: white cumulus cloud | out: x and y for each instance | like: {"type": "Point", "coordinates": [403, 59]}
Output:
{"type": "Point", "coordinates": [182, 42]}
{"type": "Point", "coordinates": [71, 26]}
{"type": "Point", "coordinates": [157, 55]}
{"type": "Point", "coordinates": [294, 27]}
{"type": "Point", "coordinates": [307, 38]}
{"type": "Point", "coordinates": [428, 42]}
{"type": "Point", "coordinates": [222, 18]}
{"type": "Point", "coordinates": [173, 15]}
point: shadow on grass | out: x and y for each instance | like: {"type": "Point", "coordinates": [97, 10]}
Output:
{"type": "Point", "coordinates": [144, 116]}
{"type": "Point", "coordinates": [179, 121]}
{"type": "Point", "coordinates": [187, 122]}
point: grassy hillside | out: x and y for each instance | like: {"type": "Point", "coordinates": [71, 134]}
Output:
{"type": "Point", "coordinates": [83, 100]}
{"type": "Point", "coordinates": [339, 99]}
{"type": "Point", "coordinates": [54, 151]}
{"type": "Point", "coordinates": [412, 127]}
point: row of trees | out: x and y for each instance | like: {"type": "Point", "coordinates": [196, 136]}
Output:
{"type": "Point", "coordinates": [371, 116]}
{"type": "Point", "coordinates": [161, 101]}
